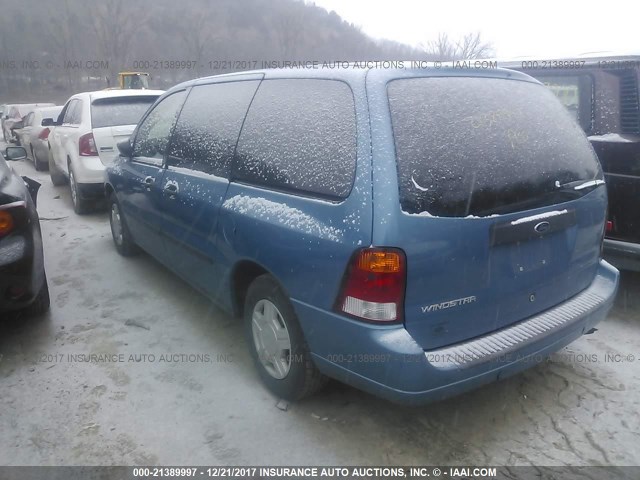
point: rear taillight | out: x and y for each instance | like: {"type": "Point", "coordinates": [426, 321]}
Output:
{"type": "Point", "coordinates": [11, 216]}
{"type": "Point", "coordinates": [6, 223]}
{"type": "Point", "coordinates": [87, 145]}
{"type": "Point", "coordinates": [374, 285]}
{"type": "Point", "coordinates": [607, 228]}
{"type": "Point", "coordinates": [44, 134]}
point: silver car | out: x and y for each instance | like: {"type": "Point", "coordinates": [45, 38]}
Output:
{"type": "Point", "coordinates": [34, 137]}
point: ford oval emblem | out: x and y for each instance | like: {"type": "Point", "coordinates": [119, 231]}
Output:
{"type": "Point", "coordinates": [542, 227]}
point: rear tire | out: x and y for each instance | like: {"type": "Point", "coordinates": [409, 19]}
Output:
{"type": "Point", "coordinates": [80, 205]}
{"type": "Point", "coordinates": [57, 177]}
{"type": "Point", "coordinates": [39, 165]}
{"type": "Point", "coordinates": [270, 326]}
{"type": "Point", "coordinates": [119, 231]}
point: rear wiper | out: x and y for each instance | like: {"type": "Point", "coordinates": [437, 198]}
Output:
{"type": "Point", "coordinates": [579, 185]}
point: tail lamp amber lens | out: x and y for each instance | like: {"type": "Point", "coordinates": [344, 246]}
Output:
{"type": "Point", "coordinates": [6, 222]}
{"type": "Point", "coordinates": [379, 261]}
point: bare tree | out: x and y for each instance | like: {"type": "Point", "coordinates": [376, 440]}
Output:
{"type": "Point", "coordinates": [116, 23]}
{"type": "Point", "coordinates": [289, 29]}
{"type": "Point", "coordinates": [472, 46]}
{"type": "Point", "coordinates": [64, 38]}
{"type": "Point", "coordinates": [469, 46]}
{"type": "Point", "coordinates": [198, 35]}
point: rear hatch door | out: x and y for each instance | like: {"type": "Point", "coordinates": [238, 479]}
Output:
{"type": "Point", "coordinates": [501, 204]}
{"type": "Point", "coordinates": [107, 139]}
{"type": "Point", "coordinates": [113, 120]}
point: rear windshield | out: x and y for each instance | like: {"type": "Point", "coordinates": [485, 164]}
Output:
{"type": "Point", "coordinates": [109, 112]}
{"type": "Point", "coordinates": [481, 146]}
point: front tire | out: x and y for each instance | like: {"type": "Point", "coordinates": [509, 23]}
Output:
{"type": "Point", "coordinates": [277, 344]}
{"type": "Point", "coordinates": [119, 231]}
{"type": "Point", "coordinates": [39, 165]}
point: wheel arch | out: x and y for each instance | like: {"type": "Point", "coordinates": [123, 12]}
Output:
{"type": "Point", "coordinates": [243, 273]}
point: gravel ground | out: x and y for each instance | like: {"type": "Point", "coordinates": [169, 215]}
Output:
{"type": "Point", "coordinates": [184, 391]}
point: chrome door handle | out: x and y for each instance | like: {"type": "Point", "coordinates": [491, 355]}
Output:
{"type": "Point", "coordinates": [171, 189]}
{"type": "Point", "coordinates": [148, 182]}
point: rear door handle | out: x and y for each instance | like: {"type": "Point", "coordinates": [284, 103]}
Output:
{"type": "Point", "coordinates": [171, 189]}
{"type": "Point", "coordinates": [148, 182]}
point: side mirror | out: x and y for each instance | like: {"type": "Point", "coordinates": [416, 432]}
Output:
{"type": "Point", "coordinates": [125, 148]}
{"type": "Point", "coordinates": [17, 125]}
{"type": "Point", "coordinates": [47, 122]}
{"type": "Point", "coordinates": [15, 153]}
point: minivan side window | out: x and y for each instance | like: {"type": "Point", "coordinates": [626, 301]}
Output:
{"type": "Point", "coordinates": [300, 135]}
{"type": "Point", "coordinates": [207, 130]}
{"type": "Point", "coordinates": [153, 133]}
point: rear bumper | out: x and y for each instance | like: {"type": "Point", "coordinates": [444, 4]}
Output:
{"type": "Point", "coordinates": [88, 170]}
{"type": "Point", "coordinates": [91, 191]}
{"type": "Point", "coordinates": [624, 255]}
{"type": "Point", "coordinates": [387, 362]}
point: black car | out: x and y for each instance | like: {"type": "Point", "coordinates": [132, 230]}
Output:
{"type": "Point", "coordinates": [603, 93]}
{"type": "Point", "coordinates": [23, 283]}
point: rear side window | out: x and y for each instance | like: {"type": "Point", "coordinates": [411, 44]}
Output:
{"type": "Point", "coordinates": [207, 131]}
{"type": "Point", "coordinates": [481, 146]}
{"type": "Point", "coordinates": [300, 135]}
{"type": "Point", "coordinates": [110, 112]}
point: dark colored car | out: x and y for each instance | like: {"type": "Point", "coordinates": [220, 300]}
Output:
{"type": "Point", "coordinates": [602, 95]}
{"type": "Point", "coordinates": [23, 283]}
{"type": "Point", "coordinates": [414, 233]}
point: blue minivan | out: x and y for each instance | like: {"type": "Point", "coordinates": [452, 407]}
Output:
{"type": "Point", "coordinates": [414, 233]}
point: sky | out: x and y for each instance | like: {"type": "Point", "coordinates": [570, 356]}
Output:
{"type": "Point", "coordinates": [540, 28]}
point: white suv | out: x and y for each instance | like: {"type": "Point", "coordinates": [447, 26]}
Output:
{"type": "Point", "coordinates": [83, 140]}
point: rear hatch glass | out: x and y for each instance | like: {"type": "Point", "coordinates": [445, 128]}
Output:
{"type": "Point", "coordinates": [109, 112]}
{"type": "Point", "coordinates": [113, 121]}
{"type": "Point", "coordinates": [509, 146]}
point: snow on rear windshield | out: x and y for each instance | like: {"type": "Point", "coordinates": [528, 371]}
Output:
{"type": "Point", "coordinates": [109, 112]}
{"type": "Point", "coordinates": [483, 146]}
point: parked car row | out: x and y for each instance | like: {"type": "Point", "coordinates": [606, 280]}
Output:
{"type": "Point", "coordinates": [414, 233]}
{"type": "Point", "coordinates": [83, 139]}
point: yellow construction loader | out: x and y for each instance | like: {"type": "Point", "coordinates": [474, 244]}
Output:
{"type": "Point", "coordinates": [132, 80]}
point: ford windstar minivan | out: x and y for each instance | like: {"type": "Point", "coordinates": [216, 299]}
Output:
{"type": "Point", "coordinates": [414, 233]}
